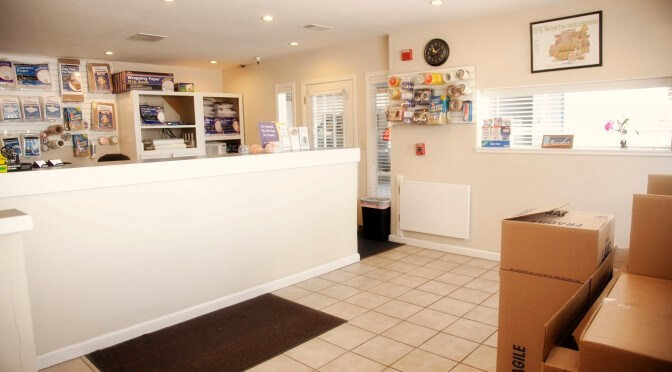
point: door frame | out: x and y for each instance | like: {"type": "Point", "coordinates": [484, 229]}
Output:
{"type": "Point", "coordinates": [371, 147]}
{"type": "Point", "coordinates": [335, 79]}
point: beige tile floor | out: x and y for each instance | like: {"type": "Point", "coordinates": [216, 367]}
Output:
{"type": "Point", "coordinates": [408, 309]}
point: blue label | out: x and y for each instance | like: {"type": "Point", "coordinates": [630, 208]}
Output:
{"type": "Point", "coordinates": [495, 143]}
{"type": "Point", "coordinates": [33, 74]}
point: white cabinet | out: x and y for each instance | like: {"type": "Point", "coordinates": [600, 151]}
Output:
{"type": "Point", "coordinates": [184, 118]}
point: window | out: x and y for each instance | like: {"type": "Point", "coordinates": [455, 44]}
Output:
{"type": "Point", "coordinates": [380, 145]}
{"type": "Point", "coordinates": [329, 113]}
{"type": "Point", "coordinates": [583, 110]}
{"type": "Point", "coordinates": [284, 103]}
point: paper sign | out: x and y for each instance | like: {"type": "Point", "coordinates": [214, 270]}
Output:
{"type": "Point", "coordinates": [268, 132]}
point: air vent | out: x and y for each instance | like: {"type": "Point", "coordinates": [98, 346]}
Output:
{"type": "Point", "coordinates": [147, 37]}
{"type": "Point", "coordinates": [314, 27]}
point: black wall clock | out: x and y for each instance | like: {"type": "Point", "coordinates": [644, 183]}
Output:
{"type": "Point", "coordinates": [436, 52]}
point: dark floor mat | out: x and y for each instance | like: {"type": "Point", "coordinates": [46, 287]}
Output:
{"type": "Point", "coordinates": [232, 339]}
{"type": "Point", "coordinates": [369, 247]}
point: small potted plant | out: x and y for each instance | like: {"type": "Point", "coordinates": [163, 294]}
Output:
{"type": "Point", "coordinates": [619, 126]}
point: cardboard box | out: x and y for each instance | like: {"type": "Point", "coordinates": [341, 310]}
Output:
{"type": "Point", "coordinates": [526, 304]}
{"type": "Point", "coordinates": [660, 184]}
{"type": "Point", "coordinates": [651, 236]}
{"type": "Point", "coordinates": [628, 328]}
{"type": "Point", "coordinates": [555, 243]}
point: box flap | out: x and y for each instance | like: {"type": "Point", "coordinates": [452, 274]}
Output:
{"type": "Point", "coordinates": [561, 359]}
{"type": "Point", "coordinates": [568, 219]}
{"type": "Point", "coordinates": [660, 184]}
{"type": "Point", "coordinates": [651, 236]}
{"type": "Point", "coordinates": [533, 211]}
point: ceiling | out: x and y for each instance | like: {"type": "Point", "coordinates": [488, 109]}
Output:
{"type": "Point", "coordinates": [229, 31]}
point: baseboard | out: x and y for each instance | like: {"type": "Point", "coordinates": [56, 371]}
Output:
{"type": "Point", "coordinates": [471, 252]}
{"type": "Point", "coordinates": [113, 338]}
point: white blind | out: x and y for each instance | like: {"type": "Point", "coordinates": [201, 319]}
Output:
{"type": "Point", "coordinates": [328, 125]}
{"type": "Point", "coordinates": [285, 105]}
{"type": "Point", "coordinates": [583, 109]}
{"type": "Point", "coordinates": [383, 145]}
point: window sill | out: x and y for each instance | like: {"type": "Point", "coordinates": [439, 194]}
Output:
{"type": "Point", "coordinates": [598, 152]}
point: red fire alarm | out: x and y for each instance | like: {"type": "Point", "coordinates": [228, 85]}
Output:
{"type": "Point", "coordinates": [420, 149]}
{"type": "Point", "coordinates": [407, 55]}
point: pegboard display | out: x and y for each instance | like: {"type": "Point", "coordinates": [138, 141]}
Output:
{"type": "Point", "coordinates": [26, 126]}
{"type": "Point", "coordinates": [435, 97]}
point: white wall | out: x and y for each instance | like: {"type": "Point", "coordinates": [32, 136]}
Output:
{"type": "Point", "coordinates": [636, 36]}
{"type": "Point", "coordinates": [257, 83]}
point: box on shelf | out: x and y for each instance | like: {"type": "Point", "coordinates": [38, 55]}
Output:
{"type": "Point", "coordinates": [135, 80]}
{"type": "Point", "coordinates": [184, 87]}
{"type": "Point", "coordinates": [215, 126]}
{"type": "Point", "coordinates": [547, 255]}
{"type": "Point", "coordinates": [628, 328]}
{"type": "Point", "coordinates": [651, 231]}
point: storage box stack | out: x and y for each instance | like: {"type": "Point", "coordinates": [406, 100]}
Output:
{"type": "Point", "coordinates": [547, 255]}
{"type": "Point", "coordinates": [629, 327]}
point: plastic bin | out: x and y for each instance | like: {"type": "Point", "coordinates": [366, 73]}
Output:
{"type": "Point", "coordinates": [376, 218]}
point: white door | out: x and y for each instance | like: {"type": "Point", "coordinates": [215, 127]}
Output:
{"type": "Point", "coordinates": [329, 114]}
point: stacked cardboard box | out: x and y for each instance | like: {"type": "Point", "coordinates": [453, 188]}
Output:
{"type": "Point", "coordinates": [547, 256]}
{"type": "Point", "coordinates": [629, 327]}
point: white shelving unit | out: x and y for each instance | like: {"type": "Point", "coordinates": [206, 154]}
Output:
{"type": "Point", "coordinates": [185, 108]}
{"type": "Point", "coordinates": [215, 143]}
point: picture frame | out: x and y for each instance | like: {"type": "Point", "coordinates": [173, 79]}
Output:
{"type": "Point", "coordinates": [104, 117]}
{"type": "Point", "coordinates": [99, 77]}
{"type": "Point", "coordinates": [566, 43]}
{"type": "Point", "coordinates": [557, 141]}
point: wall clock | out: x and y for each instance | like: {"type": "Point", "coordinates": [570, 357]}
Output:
{"type": "Point", "coordinates": [436, 52]}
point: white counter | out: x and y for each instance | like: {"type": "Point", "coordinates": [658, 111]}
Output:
{"type": "Point", "coordinates": [125, 249]}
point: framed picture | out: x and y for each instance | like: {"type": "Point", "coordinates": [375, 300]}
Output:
{"type": "Point", "coordinates": [564, 141]}
{"type": "Point", "coordinates": [100, 77]}
{"type": "Point", "coordinates": [104, 118]}
{"type": "Point", "coordinates": [567, 42]}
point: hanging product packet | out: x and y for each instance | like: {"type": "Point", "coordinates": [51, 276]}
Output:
{"type": "Point", "coordinates": [30, 107]}
{"type": "Point", "coordinates": [11, 110]}
{"type": "Point", "coordinates": [100, 77]}
{"type": "Point", "coordinates": [7, 80]}
{"type": "Point", "coordinates": [52, 109]}
{"type": "Point", "coordinates": [32, 76]}
{"type": "Point", "coordinates": [80, 144]}
{"type": "Point", "coordinates": [71, 80]}
{"type": "Point", "coordinates": [31, 146]}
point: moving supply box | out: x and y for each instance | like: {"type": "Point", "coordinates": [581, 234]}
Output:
{"type": "Point", "coordinates": [629, 328]}
{"type": "Point", "coordinates": [547, 254]}
{"type": "Point", "coordinates": [651, 230]}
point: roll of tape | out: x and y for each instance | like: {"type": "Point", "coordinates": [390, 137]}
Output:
{"type": "Point", "coordinates": [114, 140]}
{"type": "Point", "coordinates": [447, 77]}
{"type": "Point", "coordinates": [103, 140]}
{"type": "Point", "coordinates": [66, 136]}
{"type": "Point", "coordinates": [420, 79]}
{"type": "Point", "coordinates": [464, 89]}
{"type": "Point", "coordinates": [455, 105]}
{"type": "Point", "coordinates": [453, 91]}
{"type": "Point", "coordinates": [55, 129]}
{"type": "Point", "coordinates": [394, 81]}
{"type": "Point", "coordinates": [45, 147]}
{"type": "Point", "coordinates": [434, 78]}
{"type": "Point", "coordinates": [462, 74]}
{"type": "Point", "coordinates": [56, 144]}
{"type": "Point", "coordinates": [394, 93]}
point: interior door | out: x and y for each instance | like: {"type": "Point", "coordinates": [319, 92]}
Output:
{"type": "Point", "coordinates": [329, 114]}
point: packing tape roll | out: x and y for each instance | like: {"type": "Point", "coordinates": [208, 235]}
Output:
{"type": "Point", "coordinates": [55, 129]}
{"type": "Point", "coordinates": [394, 81]}
{"type": "Point", "coordinates": [453, 91]}
{"type": "Point", "coordinates": [455, 105]}
{"type": "Point", "coordinates": [434, 78]}
{"type": "Point", "coordinates": [114, 140]}
{"type": "Point", "coordinates": [447, 77]}
{"type": "Point", "coordinates": [56, 144]}
{"type": "Point", "coordinates": [45, 147]}
{"type": "Point", "coordinates": [395, 93]}
{"type": "Point", "coordinates": [464, 89]}
{"type": "Point", "coordinates": [103, 140]}
{"type": "Point", "coordinates": [462, 74]}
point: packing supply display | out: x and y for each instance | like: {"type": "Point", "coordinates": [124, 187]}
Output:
{"type": "Point", "coordinates": [32, 76]}
{"type": "Point", "coordinates": [80, 145]}
{"type": "Point", "coordinates": [11, 109]}
{"type": "Point", "coordinates": [55, 129]}
{"type": "Point", "coordinates": [73, 118]}
{"type": "Point", "coordinates": [446, 94]}
{"type": "Point", "coordinates": [184, 87]}
{"type": "Point", "coordinates": [496, 132]}
{"type": "Point", "coordinates": [52, 109]}
{"type": "Point", "coordinates": [152, 115]}
{"type": "Point", "coordinates": [100, 77]}
{"type": "Point", "coordinates": [31, 108]}
{"type": "Point", "coordinates": [56, 144]}
{"type": "Point", "coordinates": [7, 80]}
{"type": "Point", "coordinates": [31, 146]}
{"type": "Point", "coordinates": [136, 80]}
{"type": "Point", "coordinates": [104, 117]}
{"type": "Point", "coordinates": [71, 80]}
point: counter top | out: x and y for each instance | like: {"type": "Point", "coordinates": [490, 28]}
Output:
{"type": "Point", "coordinates": [14, 221]}
{"type": "Point", "coordinates": [121, 173]}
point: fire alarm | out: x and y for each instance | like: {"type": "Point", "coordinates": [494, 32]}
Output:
{"type": "Point", "coordinates": [420, 149]}
{"type": "Point", "coordinates": [407, 55]}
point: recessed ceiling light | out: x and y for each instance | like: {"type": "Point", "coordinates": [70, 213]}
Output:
{"type": "Point", "coordinates": [436, 2]}
{"type": "Point", "coordinates": [169, 1]}
{"type": "Point", "coordinates": [213, 62]}
{"type": "Point", "coordinates": [267, 18]}
{"type": "Point", "coordinates": [109, 53]}
{"type": "Point", "coordinates": [294, 43]}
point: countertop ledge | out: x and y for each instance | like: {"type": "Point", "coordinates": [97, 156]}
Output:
{"type": "Point", "coordinates": [115, 174]}
{"type": "Point", "coordinates": [14, 221]}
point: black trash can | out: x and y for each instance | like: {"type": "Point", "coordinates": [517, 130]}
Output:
{"type": "Point", "coordinates": [376, 218]}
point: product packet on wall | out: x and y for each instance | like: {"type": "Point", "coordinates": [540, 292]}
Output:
{"type": "Point", "coordinates": [30, 106]}
{"type": "Point", "coordinates": [74, 120]}
{"type": "Point", "coordinates": [13, 143]}
{"type": "Point", "coordinates": [407, 85]}
{"type": "Point", "coordinates": [152, 115]}
{"type": "Point", "coordinates": [407, 99]}
{"type": "Point", "coordinates": [52, 109]}
{"type": "Point", "coordinates": [7, 80]}
{"type": "Point", "coordinates": [11, 110]}
{"type": "Point", "coordinates": [71, 80]}
{"type": "Point", "coordinates": [422, 96]}
{"type": "Point", "coordinates": [100, 77]}
{"type": "Point", "coordinates": [408, 117]}
{"type": "Point", "coordinates": [421, 117]}
{"type": "Point", "coordinates": [31, 146]}
{"type": "Point", "coordinates": [80, 145]}
{"type": "Point", "coordinates": [32, 76]}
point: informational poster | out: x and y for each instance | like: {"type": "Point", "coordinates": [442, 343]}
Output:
{"type": "Point", "coordinates": [71, 80]}
{"type": "Point", "coordinates": [268, 132]}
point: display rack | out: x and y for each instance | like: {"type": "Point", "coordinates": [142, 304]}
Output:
{"type": "Point", "coordinates": [231, 128]}
{"type": "Point", "coordinates": [457, 84]}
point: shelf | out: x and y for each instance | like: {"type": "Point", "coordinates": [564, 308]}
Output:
{"type": "Point", "coordinates": [223, 137]}
{"type": "Point", "coordinates": [167, 126]}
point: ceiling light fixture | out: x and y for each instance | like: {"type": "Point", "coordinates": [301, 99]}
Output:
{"type": "Point", "coordinates": [267, 18]}
{"type": "Point", "coordinates": [294, 43]}
{"type": "Point", "coordinates": [213, 62]}
{"type": "Point", "coordinates": [109, 53]}
{"type": "Point", "coordinates": [169, 1]}
{"type": "Point", "coordinates": [436, 2]}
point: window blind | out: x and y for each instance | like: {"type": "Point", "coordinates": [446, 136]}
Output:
{"type": "Point", "coordinates": [328, 125]}
{"type": "Point", "coordinates": [380, 172]}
